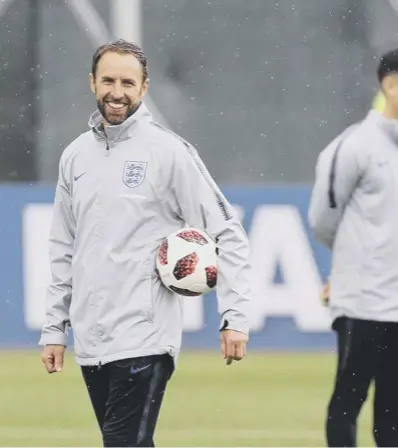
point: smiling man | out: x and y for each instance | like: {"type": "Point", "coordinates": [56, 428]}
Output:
{"type": "Point", "coordinates": [118, 82]}
{"type": "Point", "coordinates": [123, 186]}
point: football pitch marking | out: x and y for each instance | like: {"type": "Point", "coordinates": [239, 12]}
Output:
{"type": "Point", "coordinates": [54, 433]}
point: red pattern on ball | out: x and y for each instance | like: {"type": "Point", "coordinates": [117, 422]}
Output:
{"type": "Point", "coordinates": [163, 253]}
{"type": "Point", "coordinates": [184, 292]}
{"type": "Point", "coordinates": [211, 276]}
{"type": "Point", "coordinates": [192, 236]}
{"type": "Point", "coordinates": [185, 266]}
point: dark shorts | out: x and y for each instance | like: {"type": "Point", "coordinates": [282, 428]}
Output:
{"type": "Point", "coordinates": [126, 396]}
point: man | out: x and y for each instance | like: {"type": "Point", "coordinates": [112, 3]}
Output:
{"type": "Point", "coordinates": [122, 187]}
{"type": "Point", "coordinates": [353, 211]}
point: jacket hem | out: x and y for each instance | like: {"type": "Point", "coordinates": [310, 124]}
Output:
{"type": "Point", "coordinates": [101, 360]}
{"type": "Point", "coordinates": [377, 317]}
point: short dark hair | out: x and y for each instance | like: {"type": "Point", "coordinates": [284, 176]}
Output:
{"type": "Point", "coordinates": [121, 46]}
{"type": "Point", "coordinates": [388, 64]}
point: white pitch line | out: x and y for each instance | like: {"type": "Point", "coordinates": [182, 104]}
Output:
{"type": "Point", "coordinates": [70, 433]}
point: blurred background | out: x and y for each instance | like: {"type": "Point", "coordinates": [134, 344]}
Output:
{"type": "Point", "coordinates": [260, 87]}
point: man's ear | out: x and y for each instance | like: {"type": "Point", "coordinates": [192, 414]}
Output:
{"type": "Point", "coordinates": [92, 82]}
{"type": "Point", "coordinates": [145, 88]}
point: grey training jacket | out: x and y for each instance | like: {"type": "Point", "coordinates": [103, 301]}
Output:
{"type": "Point", "coordinates": [354, 212]}
{"type": "Point", "coordinates": [119, 193]}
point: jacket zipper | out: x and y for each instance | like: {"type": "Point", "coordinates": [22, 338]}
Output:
{"type": "Point", "coordinates": [107, 147]}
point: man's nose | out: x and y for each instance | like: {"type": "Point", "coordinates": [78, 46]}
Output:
{"type": "Point", "coordinates": [117, 91]}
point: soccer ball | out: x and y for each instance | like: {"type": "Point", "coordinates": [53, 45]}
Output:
{"type": "Point", "coordinates": [186, 262]}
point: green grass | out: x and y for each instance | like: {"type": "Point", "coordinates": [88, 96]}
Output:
{"type": "Point", "coordinates": [267, 400]}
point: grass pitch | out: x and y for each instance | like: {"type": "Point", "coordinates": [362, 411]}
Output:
{"type": "Point", "coordinates": [269, 399]}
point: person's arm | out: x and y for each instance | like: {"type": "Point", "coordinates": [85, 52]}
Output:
{"type": "Point", "coordinates": [201, 204]}
{"type": "Point", "coordinates": [59, 292]}
{"type": "Point", "coordinates": [338, 171]}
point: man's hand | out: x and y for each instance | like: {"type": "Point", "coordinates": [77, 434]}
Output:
{"type": "Point", "coordinates": [53, 358]}
{"type": "Point", "coordinates": [233, 345]}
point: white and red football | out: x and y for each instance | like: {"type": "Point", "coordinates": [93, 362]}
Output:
{"type": "Point", "coordinates": [186, 262]}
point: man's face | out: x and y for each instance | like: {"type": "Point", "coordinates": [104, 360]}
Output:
{"type": "Point", "coordinates": [390, 91]}
{"type": "Point", "coordinates": [118, 86]}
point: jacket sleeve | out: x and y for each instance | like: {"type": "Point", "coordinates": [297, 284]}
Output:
{"type": "Point", "coordinates": [338, 170]}
{"type": "Point", "coordinates": [61, 241]}
{"type": "Point", "coordinates": [201, 204]}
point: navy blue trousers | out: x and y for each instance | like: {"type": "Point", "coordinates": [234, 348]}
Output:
{"type": "Point", "coordinates": [367, 352]}
{"type": "Point", "coordinates": [126, 396]}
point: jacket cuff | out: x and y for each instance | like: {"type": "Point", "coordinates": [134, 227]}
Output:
{"type": "Point", "coordinates": [233, 320]}
{"type": "Point", "coordinates": [54, 338]}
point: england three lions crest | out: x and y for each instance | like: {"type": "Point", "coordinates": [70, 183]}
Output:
{"type": "Point", "coordinates": [134, 173]}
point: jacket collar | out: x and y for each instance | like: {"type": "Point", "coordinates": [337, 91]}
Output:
{"type": "Point", "coordinates": [120, 132]}
{"type": "Point", "coordinates": [388, 125]}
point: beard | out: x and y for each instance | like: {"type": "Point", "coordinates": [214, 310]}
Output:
{"type": "Point", "coordinates": [115, 116]}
